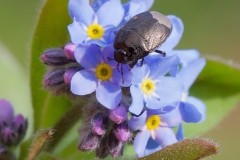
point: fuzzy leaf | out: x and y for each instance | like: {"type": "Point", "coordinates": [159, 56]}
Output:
{"type": "Point", "coordinates": [51, 31]}
{"type": "Point", "coordinates": [189, 149]}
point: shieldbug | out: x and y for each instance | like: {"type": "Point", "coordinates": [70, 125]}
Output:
{"type": "Point", "coordinates": [142, 34]}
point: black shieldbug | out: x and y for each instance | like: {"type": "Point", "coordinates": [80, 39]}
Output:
{"type": "Point", "coordinates": [142, 34]}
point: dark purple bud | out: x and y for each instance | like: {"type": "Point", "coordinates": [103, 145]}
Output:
{"type": "Point", "coordinates": [6, 112]}
{"type": "Point", "coordinates": [99, 124]}
{"type": "Point", "coordinates": [19, 124]}
{"type": "Point", "coordinates": [119, 114]}
{"type": "Point", "coordinates": [122, 132]}
{"type": "Point", "coordinates": [69, 50]}
{"type": "Point", "coordinates": [2, 149]}
{"type": "Point", "coordinates": [69, 74]}
{"type": "Point", "coordinates": [8, 136]}
{"type": "Point", "coordinates": [55, 57]}
{"type": "Point", "coordinates": [54, 78]}
{"type": "Point", "coordinates": [89, 143]}
{"type": "Point", "coordinates": [102, 150]}
{"type": "Point", "coordinates": [115, 147]}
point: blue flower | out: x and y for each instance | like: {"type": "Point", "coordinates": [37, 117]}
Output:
{"type": "Point", "coordinates": [91, 26]}
{"type": "Point", "coordinates": [192, 109]}
{"type": "Point", "coordinates": [134, 7]}
{"type": "Point", "coordinates": [185, 55]}
{"type": "Point", "coordinates": [152, 88]}
{"type": "Point", "coordinates": [155, 131]}
{"type": "Point", "coordinates": [99, 74]}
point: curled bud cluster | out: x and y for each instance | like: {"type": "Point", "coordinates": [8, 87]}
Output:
{"type": "Point", "coordinates": [12, 128]}
{"type": "Point", "coordinates": [61, 67]}
{"type": "Point", "coordinates": [107, 133]}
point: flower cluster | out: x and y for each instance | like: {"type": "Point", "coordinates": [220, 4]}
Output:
{"type": "Point", "coordinates": [144, 103]}
{"type": "Point", "coordinates": [12, 128]}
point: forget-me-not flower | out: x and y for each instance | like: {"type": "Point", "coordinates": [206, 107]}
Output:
{"type": "Point", "coordinates": [169, 47]}
{"type": "Point", "coordinates": [91, 26]}
{"type": "Point", "coordinates": [152, 88]}
{"type": "Point", "coordinates": [100, 74]}
{"type": "Point", "coordinates": [155, 131]}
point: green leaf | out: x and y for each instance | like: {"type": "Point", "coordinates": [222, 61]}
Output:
{"type": "Point", "coordinates": [189, 149]}
{"type": "Point", "coordinates": [218, 86]}
{"type": "Point", "coordinates": [51, 31]}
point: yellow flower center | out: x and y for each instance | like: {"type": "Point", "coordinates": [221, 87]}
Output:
{"type": "Point", "coordinates": [148, 86]}
{"type": "Point", "coordinates": [95, 31]}
{"type": "Point", "coordinates": [104, 71]}
{"type": "Point", "coordinates": [153, 122]}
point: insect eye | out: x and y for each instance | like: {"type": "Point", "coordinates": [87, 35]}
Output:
{"type": "Point", "coordinates": [131, 50]}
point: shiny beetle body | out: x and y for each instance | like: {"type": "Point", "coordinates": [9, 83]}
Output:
{"type": "Point", "coordinates": [142, 34]}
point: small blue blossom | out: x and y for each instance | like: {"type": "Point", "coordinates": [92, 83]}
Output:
{"type": "Point", "coordinates": [155, 131]}
{"type": "Point", "coordinates": [185, 55]}
{"type": "Point", "coordinates": [100, 74]}
{"type": "Point", "coordinates": [192, 109]}
{"type": "Point", "coordinates": [91, 26]}
{"type": "Point", "coordinates": [151, 88]}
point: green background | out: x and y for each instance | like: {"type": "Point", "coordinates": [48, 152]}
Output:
{"type": "Point", "coordinates": [210, 26]}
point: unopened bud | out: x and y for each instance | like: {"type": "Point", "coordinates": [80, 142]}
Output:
{"type": "Point", "coordinates": [8, 136]}
{"type": "Point", "coordinates": [55, 57]}
{"type": "Point", "coordinates": [69, 74]}
{"type": "Point", "coordinates": [115, 146]}
{"type": "Point", "coordinates": [122, 132]}
{"type": "Point", "coordinates": [99, 124]}
{"type": "Point", "coordinates": [54, 78]}
{"type": "Point", "coordinates": [89, 143]}
{"type": "Point", "coordinates": [2, 149]}
{"type": "Point", "coordinates": [19, 124]}
{"type": "Point", "coordinates": [69, 50]}
{"type": "Point", "coordinates": [6, 112]}
{"type": "Point", "coordinates": [102, 150]}
{"type": "Point", "coordinates": [119, 114]}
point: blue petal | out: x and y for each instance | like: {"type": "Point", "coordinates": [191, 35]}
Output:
{"type": "Point", "coordinates": [77, 32]}
{"type": "Point", "coordinates": [134, 7]}
{"type": "Point", "coordinates": [83, 83]}
{"type": "Point", "coordinates": [188, 75]}
{"type": "Point", "coordinates": [110, 13]}
{"type": "Point", "coordinates": [96, 4]}
{"type": "Point", "coordinates": [193, 111]}
{"type": "Point", "coordinates": [172, 118]}
{"type": "Point", "coordinates": [165, 136]}
{"type": "Point", "coordinates": [187, 56]}
{"type": "Point", "coordinates": [140, 142]}
{"type": "Point", "coordinates": [137, 122]}
{"type": "Point", "coordinates": [109, 94]}
{"type": "Point", "coordinates": [180, 133]}
{"type": "Point", "coordinates": [175, 36]}
{"type": "Point", "coordinates": [152, 146]}
{"type": "Point", "coordinates": [122, 76]}
{"type": "Point", "coordinates": [139, 73]}
{"type": "Point", "coordinates": [169, 90]}
{"type": "Point", "coordinates": [137, 100]}
{"type": "Point", "coordinates": [81, 11]}
{"type": "Point", "coordinates": [108, 55]}
{"type": "Point", "coordinates": [88, 56]}
{"type": "Point", "coordinates": [162, 66]}
{"type": "Point", "coordinates": [109, 35]}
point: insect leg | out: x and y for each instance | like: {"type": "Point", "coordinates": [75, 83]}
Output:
{"type": "Point", "coordinates": [161, 52]}
{"type": "Point", "coordinates": [132, 63]}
